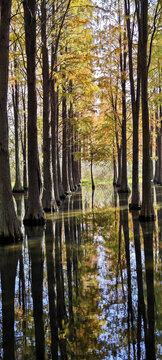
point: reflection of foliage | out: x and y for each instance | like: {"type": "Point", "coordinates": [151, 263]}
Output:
{"type": "Point", "coordinates": [84, 332]}
{"type": "Point", "coordinates": [92, 255]}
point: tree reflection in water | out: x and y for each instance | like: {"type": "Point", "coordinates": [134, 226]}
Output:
{"type": "Point", "coordinates": [85, 287]}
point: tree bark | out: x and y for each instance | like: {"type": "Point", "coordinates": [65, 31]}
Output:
{"type": "Point", "coordinates": [47, 199]}
{"type": "Point", "coordinates": [159, 175]}
{"type": "Point", "coordinates": [61, 189]}
{"type": "Point", "coordinates": [114, 166]}
{"type": "Point", "coordinates": [135, 102]}
{"type": "Point", "coordinates": [92, 180]}
{"type": "Point", "coordinates": [70, 138]}
{"type": "Point", "coordinates": [34, 213]}
{"type": "Point", "coordinates": [147, 211]}
{"type": "Point", "coordinates": [54, 139]}
{"type": "Point", "coordinates": [9, 225]}
{"type": "Point", "coordinates": [15, 99]}
{"type": "Point", "coordinates": [25, 184]}
{"type": "Point", "coordinates": [65, 178]}
{"type": "Point", "coordinates": [123, 55]}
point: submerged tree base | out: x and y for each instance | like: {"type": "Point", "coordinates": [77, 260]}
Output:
{"type": "Point", "coordinates": [156, 182]}
{"type": "Point", "coordinates": [134, 207]}
{"type": "Point", "coordinates": [143, 218]}
{"type": "Point", "coordinates": [124, 191]}
{"type": "Point", "coordinates": [49, 210]}
{"type": "Point", "coordinates": [18, 191]}
{"type": "Point", "coordinates": [63, 196]}
{"type": "Point", "coordinates": [58, 202]}
{"type": "Point", "coordinates": [5, 240]}
{"type": "Point", "coordinates": [31, 221]}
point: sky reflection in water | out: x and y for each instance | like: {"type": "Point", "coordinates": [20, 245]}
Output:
{"type": "Point", "coordinates": [85, 287]}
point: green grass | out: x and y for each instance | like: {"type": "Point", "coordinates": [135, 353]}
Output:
{"type": "Point", "coordinates": [97, 181]}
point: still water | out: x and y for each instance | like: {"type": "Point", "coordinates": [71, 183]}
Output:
{"type": "Point", "coordinates": [87, 286]}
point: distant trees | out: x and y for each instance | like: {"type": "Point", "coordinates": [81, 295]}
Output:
{"type": "Point", "coordinates": [141, 32]}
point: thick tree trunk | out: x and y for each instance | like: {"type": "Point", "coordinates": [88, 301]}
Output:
{"type": "Point", "coordinates": [135, 102]}
{"type": "Point", "coordinates": [147, 211]}
{"type": "Point", "coordinates": [34, 213]}
{"type": "Point", "coordinates": [47, 199]}
{"type": "Point", "coordinates": [9, 225]}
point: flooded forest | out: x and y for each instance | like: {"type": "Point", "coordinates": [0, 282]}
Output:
{"type": "Point", "coordinates": [87, 286]}
{"type": "Point", "coordinates": [80, 180]}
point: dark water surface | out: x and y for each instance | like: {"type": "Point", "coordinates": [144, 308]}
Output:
{"type": "Point", "coordinates": [87, 286]}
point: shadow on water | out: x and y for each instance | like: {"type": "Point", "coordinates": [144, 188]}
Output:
{"type": "Point", "coordinates": [87, 286]}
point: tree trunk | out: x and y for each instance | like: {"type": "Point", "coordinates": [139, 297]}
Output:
{"type": "Point", "coordinates": [159, 177]}
{"type": "Point", "coordinates": [76, 164]}
{"type": "Point", "coordinates": [92, 180]}
{"type": "Point", "coordinates": [54, 140]}
{"type": "Point", "coordinates": [147, 211]}
{"type": "Point", "coordinates": [135, 102]}
{"type": "Point", "coordinates": [9, 225]}
{"type": "Point", "coordinates": [34, 213]}
{"type": "Point", "coordinates": [15, 99]}
{"type": "Point", "coordinates": [25, 185]}
{"type": "Point", "coordinates": [119, 149]}
{"type": "Point", "coordinates": [151, 154]}
{"type": "Point", "coordinates": [61, 189]}
{"type": "Point", "coordinates": [114, 166]}
{"type": "Point", "coordinates": [65, 179]}
{"type": "Point", "coordinates": [124, 181]}
{"type": "Point", "coordinates": [157, 150]}
{"type": "Point", "coordinates": [70, 138]}
{"type": "Point", "coordinates": [47, 199]}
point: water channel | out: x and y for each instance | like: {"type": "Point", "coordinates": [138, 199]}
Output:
{"type": "Point", "coordinates": [87, 285]}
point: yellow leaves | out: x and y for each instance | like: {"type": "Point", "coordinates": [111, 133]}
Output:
{"type": "Point", "coordinates": [12, 79]}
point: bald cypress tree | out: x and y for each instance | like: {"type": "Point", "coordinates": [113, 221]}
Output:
{"type": "Point", "coordinates": [9, 225]}
{"type": "Point", "coordinates": [34, 212]}
{"type": "Point", "coordinates": [147, 211]}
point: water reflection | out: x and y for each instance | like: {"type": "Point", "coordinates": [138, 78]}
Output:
{"type": "Point", "coordinates": [8, 265]}
{"type": "Point", "coordinates": [85, 287]}
{"type": "Point", "coordinates": [36, 259]}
